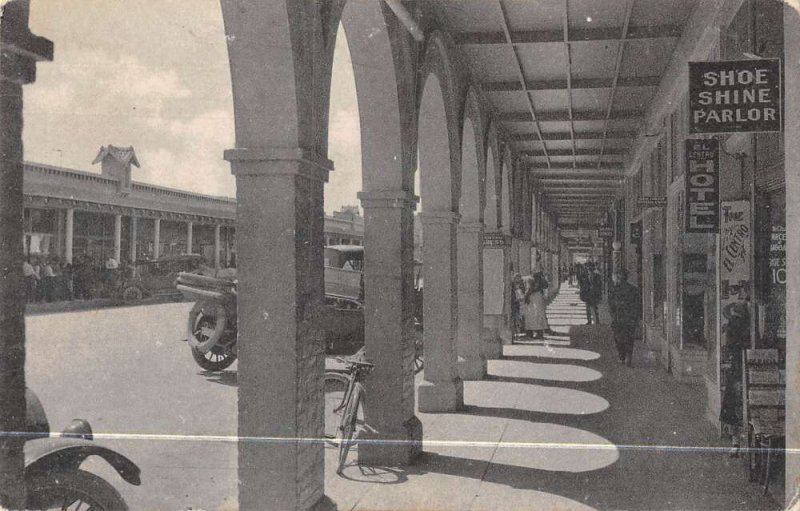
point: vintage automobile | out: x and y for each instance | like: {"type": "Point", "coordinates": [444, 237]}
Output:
{"type": "Point", "coordinates": [154, 278]}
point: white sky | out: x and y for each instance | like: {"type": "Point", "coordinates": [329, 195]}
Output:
{"type": "Point", "coordinates": [154, 74]}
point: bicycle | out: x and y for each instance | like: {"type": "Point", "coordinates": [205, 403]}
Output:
{"type": "Point", "coordinates": [343, 395]}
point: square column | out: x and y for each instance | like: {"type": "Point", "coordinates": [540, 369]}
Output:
{"type": "Point", "coordinates": [117, 237]}
{"type": "Point", "coordinates": [189, 232]}
{"type": "Point", "coordinates": [216, 246]}
{"type": "Point", "coordinates": [471, 362]}
{"type": "Point", "coordinates": [389, 311]}
{"type": "Point", "coordinates": [442, 390]}
{"type": "Point", "coordinates": [69, 231]}
{"type": "Point", "coordinates": [156, 237]}
{"type": "Point", "coordinates": [496, 294]}
{"type": "Point", "coordinates": [525, 263]}
{"type": "Point", "coordinates": [133, 241]}
{"type": "Point", "coordinates": [281, 349]}
{"type": "Point", "coordinates": [514, 254]}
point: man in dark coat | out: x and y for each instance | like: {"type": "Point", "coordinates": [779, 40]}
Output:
{"type": "Point", "coordinates": [625, 305]}
{"type": "Point", "coordinates": [591, 292]}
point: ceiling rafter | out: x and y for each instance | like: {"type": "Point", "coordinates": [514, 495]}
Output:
{"type": "Point", "coordinates": [568, 65]}
{"type": "Point", "coordinates": [617, 67]}
{"type": "Point", "coordinates": [577, 83]}
{"type": "Point", "coordinates": [576, 152]}
{"type": "Point", "coordinates": [579, 135]}
{"type": "Point", "coordinates": [577, 35]}
{"type": "Point", "coordinates": [563, 116]}
{"type": "Point", "coordinates": [520, 72]}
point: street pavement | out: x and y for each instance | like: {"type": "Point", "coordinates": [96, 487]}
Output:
{"type": "Point", "coordinates": [557, 424]}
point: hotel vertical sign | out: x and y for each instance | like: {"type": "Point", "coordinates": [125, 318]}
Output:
{"type": "Point", "coordinates": [702, 186]}
{"type": "Point", "coordinates": [735, 96]}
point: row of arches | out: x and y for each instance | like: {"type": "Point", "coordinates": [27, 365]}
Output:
{"type": "Point", "coordinates": [419, 111]}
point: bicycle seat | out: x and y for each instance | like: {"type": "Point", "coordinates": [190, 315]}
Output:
{"type": "Point", "coordinates": [356, 360]}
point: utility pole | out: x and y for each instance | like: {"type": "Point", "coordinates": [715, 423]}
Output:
{"type": "Point", "coordinates": [21, 50]}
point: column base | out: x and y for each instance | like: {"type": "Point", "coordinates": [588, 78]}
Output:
{"type": "Point", "coordinates": [447, 396]}
{"type": "Point", "coordinates": [470, 369]}
{"type": "Point", "coordinates": [324, 504]}
{"type": "Point", "coordinates": [392, 447]}
{"type": "Point", "coordinates": [506, 336]}
{"type": "Point", "coordinates": [492, 345]}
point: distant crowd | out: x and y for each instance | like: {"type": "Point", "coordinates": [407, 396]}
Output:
{"type": "Point", "coordinates": [49, 279]}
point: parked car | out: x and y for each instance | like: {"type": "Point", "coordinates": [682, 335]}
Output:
{"type": "Point", "coordinates": [153, 278]}
{"type": "Point", "coordinates": [343, 324]}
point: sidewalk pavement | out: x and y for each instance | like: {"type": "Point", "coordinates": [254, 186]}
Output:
{"type": "Point", "coordinates": [561, 424]}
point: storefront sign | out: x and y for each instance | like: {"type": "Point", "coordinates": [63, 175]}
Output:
{"type": "Point", "coordinates": [735, 96]}
{"type": "Point", "coordinates": [495, 239]}
{"type": "Point", "coordinates": [702, 185]}
{"type": "Point", "coordinates": [605, 231]}
{"type": "Point", "coordinates": [652, 202]}
{"type": "Point", "coordinates": [734, 252]}
{"type": "Point", "coordinates": [777, 255]}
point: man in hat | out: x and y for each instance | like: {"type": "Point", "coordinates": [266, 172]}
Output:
{"type": "Point", "coordinates": [625, 305]}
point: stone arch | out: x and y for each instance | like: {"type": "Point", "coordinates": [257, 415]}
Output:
{"type": "Point", "coordinates": [471, 362]}
{"type": "Point", "coordinates": [383, 57]}
{"type": "Point", "coordinates": [438, 119]}
{"type": "Point", "coordinates": [491, 213]}
{"type": "Point", "coordinates": [506, 206]}
{"type": "Point", "coordinates": [472, 199]}
{"type": "Point", "coordinates": [440, 187]}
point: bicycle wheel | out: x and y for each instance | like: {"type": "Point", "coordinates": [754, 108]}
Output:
{"type": "Point", "coordinates": [336, 385]}
{"type": "Point", "coordinates": [348, 426]}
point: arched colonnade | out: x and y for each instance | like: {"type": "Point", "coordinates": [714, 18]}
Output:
{"type": "Point", "coordinates": [419, 109]}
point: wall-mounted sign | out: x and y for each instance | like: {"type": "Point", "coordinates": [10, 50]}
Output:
{"type": "Point", "coordinates": [702, 186]}
{"type": "Point", "coordinates": [605, 231]}
{"type": "Point", "coordinates": [496, 239]}
{"type": "Point", "coordinates": [636, 232]}
{"type": "Point", "coordinates": [735, 96]}
{"type": "Point", "coordinates": [653, 202]}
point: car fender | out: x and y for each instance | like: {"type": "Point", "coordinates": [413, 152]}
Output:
{"type": "Point", "coordinates": [44, 454]}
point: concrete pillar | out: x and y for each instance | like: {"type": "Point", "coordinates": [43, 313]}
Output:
{"type": "Point", "coordinates": [133, 239]}
{"type": "Point", "coordinates": [280, 206]}
{"type": "Point", "coordinates": [471, 361]}
{"type": "Point", "coordinates": [496, 293]}
{"type": "Point", "coordinates": [216, 246]}
{"type": "Point", "coordinates": [514, 254]}
{"type": "Point", "coordinates": [525, 263]}
{"type": "Point", "coordinates": [189, 233]}
{"type": "Point", "coordinates": [21, 50]}
{"type": "Point", "coordinates": [117, 237]}
{"type": "Point", "coordinates": [156, 238]}
{"type": "Point", "coordinates": [69, 231]}
{"type": "Point", "coordinates": [442, 390]}
{"type": "Point", "coordinates": [791, 98]}
{"type": "Point", "coordinates": [389, 311]}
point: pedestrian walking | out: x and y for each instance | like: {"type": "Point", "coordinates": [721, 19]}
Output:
{"type": "Point", "coordinates": [517, 300]}
{"type": "Point", "coordinates": [594, 294]}
{"type": "Point", "coordinates": [625, 305]}
{"type": "Point", "coordinates": [534, 310]}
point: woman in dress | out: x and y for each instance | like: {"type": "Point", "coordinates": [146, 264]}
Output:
{"type": "Point", "coordinates": [534, 309]}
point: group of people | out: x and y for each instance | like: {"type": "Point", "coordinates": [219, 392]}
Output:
{"type": "Point", "coordinates": [48, 279]}
{"type": "Point", "coordinates": [529, 309]}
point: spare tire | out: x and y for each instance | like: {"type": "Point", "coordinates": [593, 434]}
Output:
{"type": "Point", "coordinates": [207, 322]}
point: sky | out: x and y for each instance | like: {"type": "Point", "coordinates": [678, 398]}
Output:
{"type": "Point", "coordinates": [154, 74]}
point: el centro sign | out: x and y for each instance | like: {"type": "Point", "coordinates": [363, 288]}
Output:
{"type": "Point", "coordinates": [735, 96]}
{"type": "Point", "coordinates": [702, 185]}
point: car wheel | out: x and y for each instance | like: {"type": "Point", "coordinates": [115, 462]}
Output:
{"type": "Point", "coordinates": [132, 294]}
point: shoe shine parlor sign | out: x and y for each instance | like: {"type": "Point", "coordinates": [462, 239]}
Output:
{"type": "Point", "coordinates": [735, 96]}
